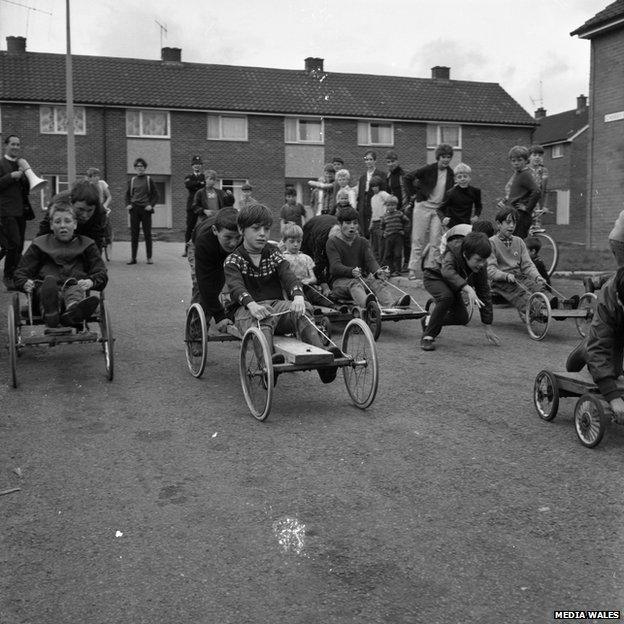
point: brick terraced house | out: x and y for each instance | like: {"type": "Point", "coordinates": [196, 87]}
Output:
{"type": "Point", "coordinates": [259, 125]}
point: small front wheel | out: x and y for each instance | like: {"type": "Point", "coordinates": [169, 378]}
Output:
{"type": "Point", "coordinates": [538, 315]}
{"type": "Point", "coordinates": [587, 302]}
{"type": "Point", "coordinates": [590, 420]}
{"type": "Point", "coordinates": [546, 395]}
{"type": "Point", "coordinates": [196, 340]}
{"type": "Point", "coordinates": [361, 375]}
{"type": "Point", "coordinates": [256, 373]}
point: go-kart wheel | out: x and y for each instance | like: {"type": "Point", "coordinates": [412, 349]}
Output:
{"type": "Point", "coordinates": [587, 302]}
{"type": "Point", "coordinates": [429, 305]}
{"type": "Point", "coordinates": [12, 344]}
{"type": "Point", "coordinates": [324, 324]}
{"type": "Point", "coordinates": [590, 419]}
{"type": "Point", "coordinates": [546, 395]}
{"type": "Point", "coordinates": [356, 312]}
{"type": "Point", "coordinates": [196, 340]}
{"type": "Point", "coordinates": [361, 376]}
{"type": "Point", "coordinates": [538, 315]}
{"type": "Point", "coordinates": [372, 316]}
{"type": "Point", "coordinates": [256, 373]}
{"type": "Point", "coordinates": [108, 341]}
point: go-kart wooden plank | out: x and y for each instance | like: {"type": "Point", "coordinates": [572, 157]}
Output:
{"type": "Point", "coordinates": [576, 313]}
{"type": "Point", "coordinates": [297, 352]}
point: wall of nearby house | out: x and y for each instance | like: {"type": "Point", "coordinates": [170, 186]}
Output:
{"type": "Point", "coordinates": [606, 139]}
{"type": "Point", "coordinates": [261, 159]}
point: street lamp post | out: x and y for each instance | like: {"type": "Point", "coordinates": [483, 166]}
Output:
{"type": "Point", "coordinates": [69, 96]}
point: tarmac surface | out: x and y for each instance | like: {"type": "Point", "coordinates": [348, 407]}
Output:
{"type": "Point", "coordinates": [157, 498]}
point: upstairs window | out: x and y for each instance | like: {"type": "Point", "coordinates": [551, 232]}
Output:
{"type": "Point", "coordinates": [227, 128]}
{"type": "Point", "coordinates": [556, 151]}
{"type": "Point", "coordinates": [375, 133]}
{"type": "Point", "coordinates": [53, 120]}
{"type": "Point", "coordinates": [443, 133]}
{"type": "Point", "coordinates": [303, 130]}
{"type": "Point", "coordinates": [147, 123]}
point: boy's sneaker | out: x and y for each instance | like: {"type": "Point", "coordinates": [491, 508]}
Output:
{"type": "Point", "coordinates": [132, 261]}
{"type": "Point", "coordinates": [403, 301]}
{"type": "Point", "coordinates": [427, 343]}
{"type": "Point", "coordinates": [327, 375]}
{"type": "Point", "coordinates": [48, 296]}
{"type": "Point", "coordinates": [554, 303]}
{"type": "Point", "coordinates": [80, 311]}
{"type": "Point", "coordinates": [571, 303]}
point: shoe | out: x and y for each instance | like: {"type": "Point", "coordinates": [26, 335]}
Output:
{"type": "Point", "coordinates": [588, 284]}
{"type": "Point", "coordinates": [577, 358]}
{"type": "Point", "coordinates": [133, 261]}
{"type": "Point", "coordinates": [571, 303]}
{"type": "Point", "coordinates": [554, 303]}
{"type": "Point", "coordinates": [48, 296]}
{"type": "Point", "coordinates": [328, 374]}
{"type": "Point", "coordinates": [403, 301]}
{"type": "Point", "coordinates": [150, 261]}
{"type": "Point", "coordinates": [427, 343]}
{"type": "Point", "coordinates": [80, 311]}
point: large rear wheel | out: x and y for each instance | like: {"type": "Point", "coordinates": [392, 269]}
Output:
{"type": "Point", "coordinates": [256, 373]}
{"type": "Point", "coordinates": [587, 302]}
{"type": "Point", "coordinates": [196, 340]}
{"type": "Point", "coordinates": [361, 376]}
{"type": "Point", "coordinates": [538, 315]}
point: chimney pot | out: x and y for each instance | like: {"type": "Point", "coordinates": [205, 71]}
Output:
{"type": "Point", "coordinates": [16, 45]}
{"type": "Point", "coordinates": [540, 113]}
{"type": "Point", "coordinates": [440, 72]}
{"type": "Point", "coordinates": [171, 55]}
{"type": "Point", "coordinates": [313, 64]}
{"type": "Point", "coordinates": [581, 104]}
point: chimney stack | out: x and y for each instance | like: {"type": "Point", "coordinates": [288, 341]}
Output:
{"type": "Point", "coordinates": [16, 45]}
{"type": "Point", "coordinates": [440, 72]}
{"type": "Point", "coordinates": [581, 104]}
{"type": "Point", "coordinates": [171, 55]}
{"type": "Point", "coordinates": [313, 64]}
{"type": "Point", "coordinates": [540, 113]}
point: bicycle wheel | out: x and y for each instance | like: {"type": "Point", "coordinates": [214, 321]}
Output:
{"type": "Point", "coordinates": [549, 253]}
{"type": "Point", "coordinates": [361, 377]}
{"type": "Point", "coordinates": [256, 373]}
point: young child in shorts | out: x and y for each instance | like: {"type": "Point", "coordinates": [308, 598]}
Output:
{"type": "Point", "coordinates": [60, 268]}
{"type": "Point", "coordinates": [257, 276]}
{"type": "Point", "coordinates": [292, 211]}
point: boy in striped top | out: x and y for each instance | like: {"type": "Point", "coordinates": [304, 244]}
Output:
{"type": "Point", "coordinates": [393, 226]}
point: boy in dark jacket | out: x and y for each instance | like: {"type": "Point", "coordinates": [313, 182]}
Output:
{"type": "Point", "coordinates": [62, 266]}
{"type": "Point", "coordinates": [603, 348]}
{"type": "Point", "coordinates": [461, 273]}
{"type": "Point", "coordinates": [462, 203]}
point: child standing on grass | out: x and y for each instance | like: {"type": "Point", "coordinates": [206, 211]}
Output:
{"type": "Point", "coordinates": [257, 275]}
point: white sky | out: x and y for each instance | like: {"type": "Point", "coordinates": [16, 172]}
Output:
{"type": "Point", "coordinates": [517, 44]}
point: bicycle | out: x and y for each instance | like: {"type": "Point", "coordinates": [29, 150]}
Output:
{"type": "Point", "coordinates": [549, 251]}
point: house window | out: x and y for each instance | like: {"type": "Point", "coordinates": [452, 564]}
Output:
{"type": "Point", "coordinates": [227, 128]}
{"type": "Point", "coordinates": [303, 130]}
{"type": "Point", "coordinates": [375, 133]}
{"type": "Point", "coordinates": [147, 123]}
{"type": "Point", "coordinates": [53, 120]}
{"type": "Point", "coordinates": [439, 133]}
{"type": "Point", "coordinates": [56, 184]}
{"type": "Point", "coordinates": [234, 186]}
{"type": "Point", "coordinates": [556, 151]}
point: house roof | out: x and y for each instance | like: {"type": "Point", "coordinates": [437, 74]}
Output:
{"type": "Point", "coordinates": [613, 13]}
{"type": "Point", "coordinates": [560, 127]}
{"type": "Point", "coordinates": [40, 77]}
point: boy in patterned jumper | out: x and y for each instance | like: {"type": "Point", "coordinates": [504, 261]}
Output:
{"type": "Point", "coordinates": [257, 275]}
{"type": "Point", "coordinates": [393, 226]}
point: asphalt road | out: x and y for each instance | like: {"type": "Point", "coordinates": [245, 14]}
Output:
{"type": "Point", "coordinates": [157, 498]}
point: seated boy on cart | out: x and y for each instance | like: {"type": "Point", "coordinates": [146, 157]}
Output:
{"type": "Point", "coordinates": [353, 270]}
{"type": "Point", "coordinates": [60, 268]}
{"type": "Point", "coordinates": [603, 348]}
{"type": "Point", "coordinates": [257, 276]}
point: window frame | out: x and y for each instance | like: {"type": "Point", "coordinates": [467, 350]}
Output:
{"type": "Point", "coordinates": [220, 118]}
{"type": "Point", "coordinates": [367, 123]}
{"type": "Point", "coordinates": [559, 148]}
{"type": "Point", "coordinates": [57, 107]}
{"type": "Point", "coordinates": [439, 140]}
{"type": "Point", "coordinates": [148, 136]}
{"type": "Point", "coordinates": [57, 180]}
{"type": "Point", "coordinates": [298, 140]}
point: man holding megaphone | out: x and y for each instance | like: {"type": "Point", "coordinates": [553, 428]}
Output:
{"type": "Point", "coordinates": [15, 208]}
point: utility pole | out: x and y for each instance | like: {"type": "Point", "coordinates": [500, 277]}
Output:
{"type": "Point", "coordinates": [69, 97]}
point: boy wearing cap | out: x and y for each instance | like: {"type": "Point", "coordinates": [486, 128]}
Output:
{"type": "Point", "coordinates": [193, 182]}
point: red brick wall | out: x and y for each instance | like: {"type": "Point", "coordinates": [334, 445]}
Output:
{"type": "Point", "coordinates": [606, 168]}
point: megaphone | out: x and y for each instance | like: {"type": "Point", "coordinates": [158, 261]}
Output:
{"type": "Point", "coordinates": [35, 182]}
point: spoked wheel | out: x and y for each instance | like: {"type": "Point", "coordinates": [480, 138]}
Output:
{"type": "Point", "coordinates": [587, 302]}
{"type": "Point", "coordinates": [549, 251]}
{"type": "Point", "coordinates": [108, 341]}
{"type": "Point", "coordinates": [196, 340]}
{"type": "Point", "coordinates": [590, 420]}
{"type": "Point", "coordinates": [324, 324]}
{"type": "Point", "coordinates": [372, 316]}
{"type": "Point", "coordinates": [362, 376]}
{"type": "Point", "coordinates": [256, 373]}
{"type": "Point", "coordinates": [466, 302]}
{"type": "Point", "coordinates": [546, 395]}
{"type": "Point", "coordinates": [12, 344]}
{"type": "Point", "coordinates": [538, 315]}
